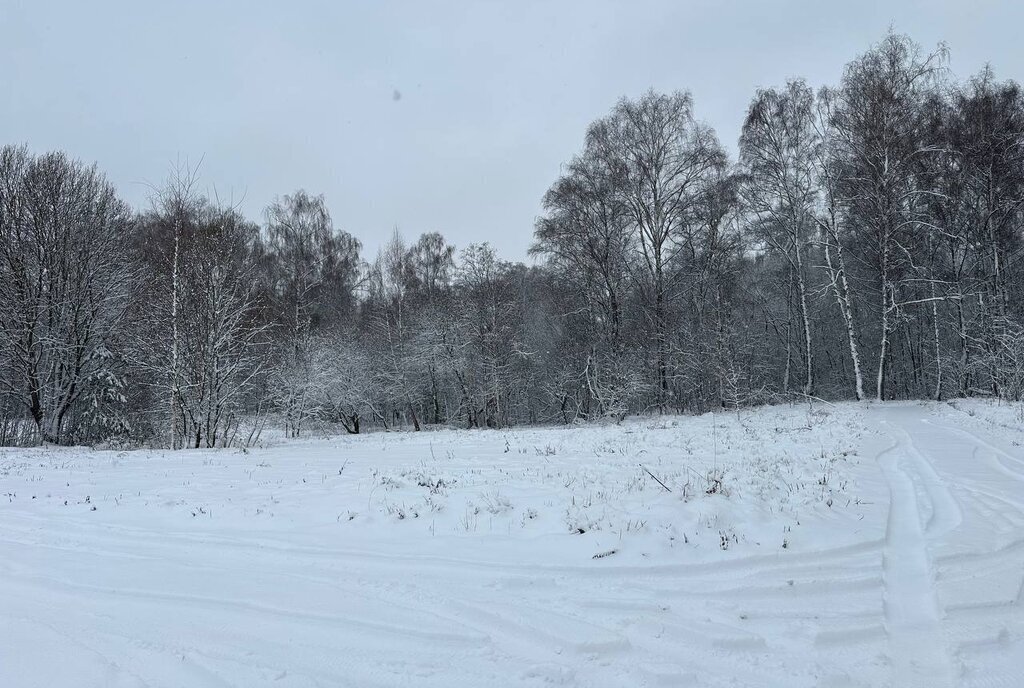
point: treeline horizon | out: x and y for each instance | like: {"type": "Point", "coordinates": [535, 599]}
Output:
{"type": "Point", "coordinates": [865, 243]}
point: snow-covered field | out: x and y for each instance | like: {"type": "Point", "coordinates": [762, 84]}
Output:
{"type": "Point", "coordinates": [873, 545]}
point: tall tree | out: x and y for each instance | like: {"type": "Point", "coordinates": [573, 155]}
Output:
{"type": "Point", "coordinates": [985, 135]}
{"type": "Point", "coordinates": [586, 236]}
{"type": "Point", "coordinates": [65, 281]}
{"type": "Point", "coordinates": [777, 151]}
{"type": "Point", "coordinates": [878, 126]}
{"type": "Point", "coordinates": [663, 160]}
{"type": "Point", "coordinates": [313, 271]}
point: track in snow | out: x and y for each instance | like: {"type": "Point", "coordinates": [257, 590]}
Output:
{"type": "Point", "coordinates": [954, 553]}
{"type": "Point", "coordinates": [912, 614]}
{"type": "Point", "coordinates": [928, 593]}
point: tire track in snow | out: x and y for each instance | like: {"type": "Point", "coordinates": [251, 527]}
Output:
{"type": "Point", "coordinates": [995, 461]}
{"type": "Point", "coordinates": [740, 567]}
{"type": "Point", "coordinates": [912, 616]}
{"type": "Point", "coordinates": [179, 600]}
{"type": "Point", "coordinates": [984, 586]}
{"type": "Point", "coordinates": [800, 617]}
{"type": "Point", "coordinates": [946, 514]}
{"type": "Point", "coordinates": [113, 671]}
{"type": "Point", "coordinates": [1001, 514]}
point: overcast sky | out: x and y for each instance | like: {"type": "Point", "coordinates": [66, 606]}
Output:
{"type": "Point", "coordinates": [452, 117]}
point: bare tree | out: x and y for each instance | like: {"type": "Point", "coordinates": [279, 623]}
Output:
{"type": "Point", "coordinates": [777, 150]}
{"type": "Point", "coordinates": [65, 282]}
{"type": "Point", "coordinates": [831, 231]}
{"type": "Point", "coordinates": [876, 128]}
{"type": "Point", "coordinates": [587, 237]}
{"type": "Point", "coordinates": [313, 271]}
{"type": "Point", "coordinates": [223, 338]}
{"type": "Point", "coordinates": [177, 202]}
{"type": "Point", "coordinates": [983, 217]}
{"type": "Point", "coordinates": [391, 276]}
{"type": "Point", "coordinates": [663, 161]}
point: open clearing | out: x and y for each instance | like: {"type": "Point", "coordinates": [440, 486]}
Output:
{"type": "Point", "coordinates": [854, 545]}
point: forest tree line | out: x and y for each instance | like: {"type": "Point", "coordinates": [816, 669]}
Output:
{"type": "Point", "coordinates": [866, 243]}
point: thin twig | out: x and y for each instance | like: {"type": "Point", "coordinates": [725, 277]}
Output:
{"type": "Point", "coordinates": [656, 478]}
{"type": "Point", "coordinates": [811, 396]}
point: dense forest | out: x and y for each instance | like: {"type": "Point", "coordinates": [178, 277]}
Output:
{"type": "Point", "coordinates": [866, 243]}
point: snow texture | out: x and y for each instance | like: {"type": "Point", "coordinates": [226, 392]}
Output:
{"type": "Point", "coordinates": [833, 546]}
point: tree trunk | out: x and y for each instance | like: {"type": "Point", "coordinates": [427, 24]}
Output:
{"type": "Point", "coordinates": [841, 287]}
{"type": "Point", "coordinates": [805, 316]}
{"type": "Point", "coordinates": [175, 401]}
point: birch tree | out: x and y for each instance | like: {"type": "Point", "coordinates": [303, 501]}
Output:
{"type": "Point", "coordinates": [877, 126]}
{"type": "Point", "coordinates": [777, 149]}
{"type": "Point", "coordinates": [223, 346]}
{"type": "Point", "coordinates": [312, 271]}
{"type": "Point", "coordinates": [663, 160]}
{"type": "Point", "coordinates": [586, 237]}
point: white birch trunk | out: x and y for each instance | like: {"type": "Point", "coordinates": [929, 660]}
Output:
{"type": "Point", "coordinates": [174, 337]}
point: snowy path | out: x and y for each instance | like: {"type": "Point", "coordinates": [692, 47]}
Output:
{"type": "Point", "coordinates": [910, 577]}
{"type": "Point", "coordinates": [912, 614]}
{"type": "Point", "coordinates": [938, 531]}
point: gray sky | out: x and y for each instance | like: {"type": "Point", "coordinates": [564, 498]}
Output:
{"type": "Point", "coordinates": [452, 117]}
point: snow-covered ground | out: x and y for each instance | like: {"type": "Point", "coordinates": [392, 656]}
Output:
{"type": "Point", "coordinates": [871, 545]}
